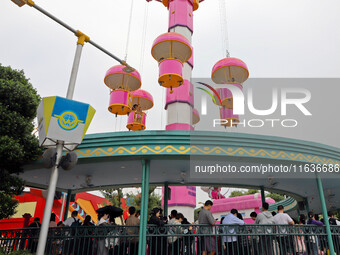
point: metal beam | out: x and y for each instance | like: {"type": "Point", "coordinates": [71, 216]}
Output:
{"type": "Point", "coordinates": [49, 202]}
{"type": "Point", "coordinates": [263, 197]}
{"type": "Point", "coordinates": [325, 215]}
{"type": "Point", "coordinates": [166, 198]}
{"type": "Point", "coordinates": [306, 205]}
{"type": "Point", "coordinates": [144, 207]}
{"type": "Point", "coordinates": [62, 207]}
{"type": "Point", "coordinates": [60, 22]}
{"type": "Point", "coordinates": [74, 72]}
{"type": "Point", "coordinates": [67, 205]}
{"type": "Point", "coordinates": [60, 144]}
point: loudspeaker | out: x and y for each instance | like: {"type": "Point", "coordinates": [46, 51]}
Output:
{"type": "Point", "coordinates": [68, 161]}
{"type": "Point", "coordinates": [49, 158]}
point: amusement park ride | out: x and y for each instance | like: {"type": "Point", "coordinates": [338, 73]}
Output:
{"type": "Point", "coordinates": [174, 53]}
{"type": "Point", "coordinates": [129, 157]}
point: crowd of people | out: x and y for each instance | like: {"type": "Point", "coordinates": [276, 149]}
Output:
{"type": "Point", "coordinates": [175, 235]}
{"type": "Point", "coordinates": [270, 239]}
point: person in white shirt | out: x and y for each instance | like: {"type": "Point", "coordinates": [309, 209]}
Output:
{"type": "Point", "coordinates": [285, 242]}
{"type": "Point", "coordinates": [265, 240]}
{"type": "Point", "coordinates": [103, 244]}
{"type": "Point", "coordinates": [172, 217]}
{"type": "Point", "coordinates": [230, 239]}
{"type": "Point", "coordinates": [72, 220]}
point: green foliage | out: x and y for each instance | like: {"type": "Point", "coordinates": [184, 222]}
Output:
{"type": "Point", "coordinates": [10, 185]}
{"type": "Point", "coordinates": [237, 193]}
{"type": "Point", "coordinates": [196, 213]}
{"type": "Point", "coordinates": [16, 253]}
{"type": "Point", "coordinates": [275, 196]}
{"type": "Point", "coordinates": [114, 195]}
{"type": "Point", "coordinates": [252, 191]}
{"type": "Point", "coordinates": [21, 253]}
{"type": "Point", "coordinates": [18, 146]}
{"type": "Point", "coordinates": [136, 199]}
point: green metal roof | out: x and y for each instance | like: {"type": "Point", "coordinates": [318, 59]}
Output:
{"type": "Point", "coordinates": [114, 159]}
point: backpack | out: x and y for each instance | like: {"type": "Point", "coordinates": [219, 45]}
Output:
{"type": "Point", "coordinates": [76, 223]}
{"type": "Point", "coordinates": [172, 231]}
{"type": "Point", "coordinates": [332, 221]}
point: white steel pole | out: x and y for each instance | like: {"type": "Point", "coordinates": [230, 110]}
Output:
{"type": "Point", "coordinates": [49, 202]}
{"type": "Point", "coordinates": [55, 172]}
{"type": "Point", "coordinates": [62, 207]}
{"type": "Point", "coordinates": [74, 72]}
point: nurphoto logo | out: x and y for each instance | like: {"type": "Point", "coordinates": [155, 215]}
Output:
{"type": "Point", "coordinates": [280, 99]}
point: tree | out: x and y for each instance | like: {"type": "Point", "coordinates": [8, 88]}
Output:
{"type": "Point", "coordinates": [113, 195]}
{"type": "Point", "coordinates": [252, 191]}
{"type": "Point", "coordinates": [196, 212]}
{"type": "Point", "coordinates": [18, 146]}
{"type": "Point", "coordinates": [154, 200]}
{"type": "Point", "coordinates": [237, 193]}
{"type": "Point", "coordinates": [134, 199]}
{"type": "Point", "coordinates": [275, 196]}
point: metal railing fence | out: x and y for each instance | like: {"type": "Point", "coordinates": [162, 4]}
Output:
{"type": "Point", "coordinates": [176, 239]}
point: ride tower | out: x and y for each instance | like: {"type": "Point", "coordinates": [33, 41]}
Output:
{"type": "Point", "coordinates": [174, 52]}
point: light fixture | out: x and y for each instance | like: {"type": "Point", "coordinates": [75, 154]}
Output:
{"type": "Point", "coordinates": [19, 2]}
{"type": "Point", "coordinates": [183, 174]}
{"type": "Point", "coordinates": [272, 182]}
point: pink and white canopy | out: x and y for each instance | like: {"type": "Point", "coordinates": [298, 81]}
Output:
{"type": "Point", "coordinates": [230, 70]}
{"type": "Point", "coordinates": [171, 45]}
{"type": "Point", "coordinates": [142, 98]}
{"type": "Point", "coordinates": [117, 78]}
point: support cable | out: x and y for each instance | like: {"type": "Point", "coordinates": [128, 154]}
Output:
{"type": "Point", "coordinates": [74, 31]}
{"type": "Point", "coordinates": [129, 30]}
{"type": "Point", "coordinates": [145, 25]}
{"type": "Point", "coordinates": [224, 27]}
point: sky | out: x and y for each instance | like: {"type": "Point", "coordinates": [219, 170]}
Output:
{"type": "Point", "coordinates": [277, 39]}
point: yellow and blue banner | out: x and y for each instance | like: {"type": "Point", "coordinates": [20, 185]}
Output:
{"type": "Point", "coordinates": [63, 119]}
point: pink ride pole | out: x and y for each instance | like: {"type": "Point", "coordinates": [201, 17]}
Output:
{"type": "Point", "coordinates": [179, 99]}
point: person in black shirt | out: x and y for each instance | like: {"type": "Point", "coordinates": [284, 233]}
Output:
{"type": "Point", "coordinates": [156, 242]}
{"type": "Point", "coordinates": [34, 235]}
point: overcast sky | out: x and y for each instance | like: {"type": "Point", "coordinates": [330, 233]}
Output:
{"type": "Point", "coordinates": [281, 38]}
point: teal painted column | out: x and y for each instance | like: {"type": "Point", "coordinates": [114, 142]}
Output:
{"type": "Point", "coordinates": [67, 204]}
{"type": "Point", "coordinates": [166, 199]}
{"type": "Point", "coordinates": [144, 207]}
{"type": "Point", "coordinates": [307, 205]}
{"type": "Point", "coordinates": [263, 196]}
{"type": "Point", "coordinates": [325, 215]}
